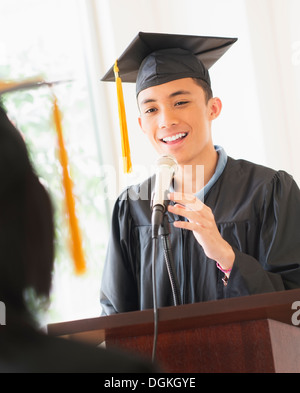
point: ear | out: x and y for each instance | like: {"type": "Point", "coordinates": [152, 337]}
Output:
{"type": "Point", "coordinates": [214, 107]}
{"type": "Point", "coordinates": [140, 124]}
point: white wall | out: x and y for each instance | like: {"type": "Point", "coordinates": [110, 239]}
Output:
{"type": "Point", "coordinates": [275, 35]}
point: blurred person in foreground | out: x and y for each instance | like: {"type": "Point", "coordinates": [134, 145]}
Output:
{"type": "Point", "coordinates": [26, 264]}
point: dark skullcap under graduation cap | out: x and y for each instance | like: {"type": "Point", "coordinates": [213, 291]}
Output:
{"type": "Point", "coordinates": [153, 59]}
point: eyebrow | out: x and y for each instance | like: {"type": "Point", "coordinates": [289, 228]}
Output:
{"type": "Point", "coordinates": [176, 93]}
{"type": "Point", "coordinates": [179, 92]}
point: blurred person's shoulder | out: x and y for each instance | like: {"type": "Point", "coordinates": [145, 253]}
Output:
{"type": "Point", "coordinates": [33, 351]}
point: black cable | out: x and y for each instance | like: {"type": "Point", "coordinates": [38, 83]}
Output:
{"type": "Point", "coordinates": [171, 270]}
{"type": "Point", "coordinates": [155, 310]}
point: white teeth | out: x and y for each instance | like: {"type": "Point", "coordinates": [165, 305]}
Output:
{"type": "Point", "coordinates": [174, 137]}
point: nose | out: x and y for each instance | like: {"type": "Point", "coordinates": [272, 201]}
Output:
{"type": "Point", "coordinates": [167, 118]}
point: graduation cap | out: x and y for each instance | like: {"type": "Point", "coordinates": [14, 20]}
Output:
{"type": "Point", "coordinates": [152, 59]}
{"type": "Point", "coordinates": [32, 83]}
{"type": "Point", "coordinates": [76, 247]}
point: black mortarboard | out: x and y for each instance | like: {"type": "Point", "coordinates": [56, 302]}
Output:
{"type": "Point", "coordinates": [153, 59]}
{"type": "Point", "coordinates": [8, 86]}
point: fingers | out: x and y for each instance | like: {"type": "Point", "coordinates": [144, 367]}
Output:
{"type": "Point", "coordinates": [196, 217]}
{"type": "Point", "coordinates": [190, 207]}
{"type": "Point", "coordinates": [190, 225]}
{"type": "Point", "coordinates": [190, 201]}
{"type": "Point", "coordinates": [201, 222]}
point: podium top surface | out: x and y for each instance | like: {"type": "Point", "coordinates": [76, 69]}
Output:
{"type": "Point", "coordinates": [275, 305]}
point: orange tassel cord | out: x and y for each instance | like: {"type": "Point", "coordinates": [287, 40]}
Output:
{"type": "Point", "coordinates": [76, 244]}
{"type": "Point", "coordinates": [127, 165]}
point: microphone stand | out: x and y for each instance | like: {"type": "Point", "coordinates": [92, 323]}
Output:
{"type": "Point", "coordinates": [163, 232]}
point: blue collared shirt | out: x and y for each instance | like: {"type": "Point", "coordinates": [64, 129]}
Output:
{"type": "Point", "coordinates": [222, 161]}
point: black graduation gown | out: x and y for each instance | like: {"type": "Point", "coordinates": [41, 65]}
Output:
{"type": "Point", "coordinates": [257, 210]}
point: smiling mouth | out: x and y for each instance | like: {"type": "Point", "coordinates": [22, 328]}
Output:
{"type": "Point", "coordinates": [174, 138]}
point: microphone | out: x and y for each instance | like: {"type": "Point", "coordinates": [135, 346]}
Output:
{"type": "Point", "coordinates": [166, 169]}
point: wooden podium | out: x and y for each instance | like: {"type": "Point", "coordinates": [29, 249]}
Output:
{"type": "Point", "coordinates": [246, 334]}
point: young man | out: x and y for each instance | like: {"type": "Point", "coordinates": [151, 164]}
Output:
{"type": "Point", "coordinates": [235, 236]}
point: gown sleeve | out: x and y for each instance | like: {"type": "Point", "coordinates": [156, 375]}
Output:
{"type": "Point", "coordinates": [119, 288]}
{"type": "Point", "coordinates": [278, 265]}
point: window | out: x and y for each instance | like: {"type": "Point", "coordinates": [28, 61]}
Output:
{"type": "Point", "coordinates": [45, 39]}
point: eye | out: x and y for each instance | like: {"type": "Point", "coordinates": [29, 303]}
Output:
{"type": "Point", "coordinates": [150, 110]}
{"type": "Point", "coordinates": [180, 103]}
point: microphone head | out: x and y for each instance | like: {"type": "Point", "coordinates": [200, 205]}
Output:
{"type": "Point", "coordinates": [169, 161]}
{"type": "Point", "coordinates": [166, 169]}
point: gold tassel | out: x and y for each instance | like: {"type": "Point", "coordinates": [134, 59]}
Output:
{"type": "Point", "coordinates": [77, 252]}
{"type": "Point", "coordinates": [123, 124]}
